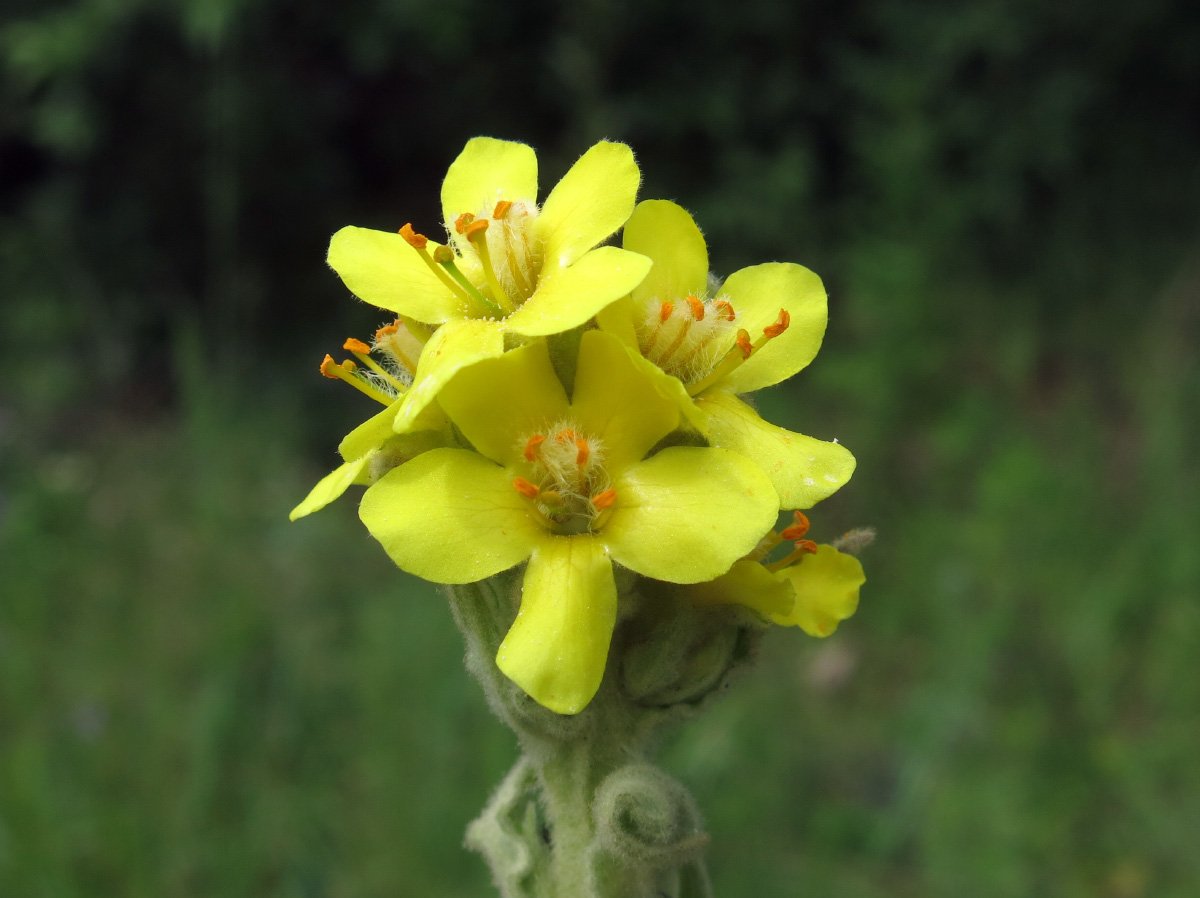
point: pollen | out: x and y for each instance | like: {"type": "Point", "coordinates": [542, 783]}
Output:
{"type": "Point", "coordinates": [604, 499]}
{"type": "Point", "coordinates": [353, 345]}
{"type": "Point", "coordinates": [460, 223]}
{"type": "Point", "coordinates": [744, 344]}
{"type": "Point", "coordinates": [771, 331]}
{"type": "Point", "coordinates": [526, 488]}
{"type": "Point", "coordinates": [415, 240]}
{"type": "Point", "coordinates": [532, 445]}
{"type": "Point", "coordinates": [797, 529]}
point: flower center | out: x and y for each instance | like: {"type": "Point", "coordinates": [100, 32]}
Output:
{"type": "Point", "coordinates": [385, 368]}
{"type": "Point", "coordinates": [690, 339]}
{"type": "Point", "coordinates": [568, 486]}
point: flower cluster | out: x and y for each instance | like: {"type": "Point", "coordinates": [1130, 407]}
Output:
{"type": "Point", "coordinates": [569, 406]}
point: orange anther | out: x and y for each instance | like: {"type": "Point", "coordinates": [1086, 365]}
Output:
{"type": "Point", "coordinates": [724, 309]}
{"type": "Point", "coordinates": [387, 330]}
{"type": "Point", "coordinates": [665, 309]}
{"type": "Point", "coordinates": [566, 435]}
{"type": "Point", "coordinates": [327, 366]}
{"type": "Point", "coordinates": [806, 545]}
{"type": "Point", "coordinates": [697, 307]}
{"type": "Point", "coordinates": [780, 325]}
{"type": "Point", "coordinates": [532, 445]}
{"type": "Point", "coordinates": [744, 344]}
{"type": "Point", "coordinates": [525, 488]}
{"type": "Point", "coordinates": [443, 254]}
{"type": "Point", "coordinates": [582, 451]}
{"type": "Point", "coordinates": [414, 239]}
{"type": "Point", "coordinates": [460, 223]}
{"type": "Point", "coordinates": [352, 345]}
{"type": "Point", "coordinates": [478, 226]}
{"type": "Point", "coordinates": [501, 209]}
{"type": "Point", "coordinates": [605, 499]}
{"type": "Point", "coordinates": [798, 527]}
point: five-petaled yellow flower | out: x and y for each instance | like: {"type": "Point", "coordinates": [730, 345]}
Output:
{"type": "Point", "coordinates": [571, 485]}
{"type": "Point", "coordinates": [763, 324]}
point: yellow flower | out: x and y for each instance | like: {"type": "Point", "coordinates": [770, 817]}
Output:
{"type": "Point", "coordinates": [763, 324]}
{"type": "Point", "coordinates": [813, 587]}
{"type": "Point", "coordinates": [531, 270]}
{"type": "Point", "coordinates": [566, 485]}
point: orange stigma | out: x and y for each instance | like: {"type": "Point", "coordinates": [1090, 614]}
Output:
{"type": "Point", "coordinates": [501, 209]}
{"type": "Point", "coordinates": [415, 240]}
{"type": "Point", "coordinates": [780, 325]}
{"type": "Point", "coordinates": [532, 445]}
{"type": "Point", "coordinates": [525, 488]}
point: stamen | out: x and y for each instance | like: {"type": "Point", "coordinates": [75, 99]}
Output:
{"type": "Point", "coordinates": [696, 305]}
{"type": "Point", "coordinates": [475, 231]}
{"type": "Point", "coordinates": [604, 499]}
{"type": "Point", "coordinates": [582, 451]}
{"type": "Point", "coordinates": [460, 223]}
{"type": "Point", "coordinates": [566, 435]}
{"type": "Point", "coordinates": [363, 353]}
{"type": "Point", "coordinates": [532, 445]}
{"type": "Point", "coordinates": [744, 348]}
{"type": "Point", "coordinates": [525, 488]}
{"type": "Point", "coordinates": [444, 256]}
{"type": "Point", "coordinates": [724, 309]}
{"type": "Point", "coordinates": [501, 209]}
{"type": "Point", "coordinates": [458, 285]}
{"type": "Point", "coordinates": [797, 529]}
{"type": "Point", "coordinates": [415, 240]}
{"type": "Point", "coordinates": [743, 343]}
{"type": "Point", "coordinates": [345, 372]}
{"type": "Point", "coordinates": [781, 324]}
{"type": "Point", "coordinates": [664, 310]}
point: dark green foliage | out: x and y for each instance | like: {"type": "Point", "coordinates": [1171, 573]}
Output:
{"type": "Point", "coordinates": [198, 698]}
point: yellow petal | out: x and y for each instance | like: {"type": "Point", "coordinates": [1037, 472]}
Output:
{"type": "Point", "coordinates": [687, 514]}
{"type": "Point", "coordinates": [757, 294]}
{"type": "Point", "coordinates": [620, 319]}
{"type": "Point", "coordinates": [384, 270]}
{"type": "Point", "coordinates": [826, 586]}
{"type": "Point", "coordinates": [570, 296]}
{"type": "Point", "coordinates": [455, 345]}
{"type": "Point", "coordinates": [747, 583]}
{"type": "Point", "coordinates": [499, 402]}
{"type": "Point", "coordinates": [667, 234]}
{"type": "Point", "coordinates": [487, 171]}
{"type": "Point", "coordinates": [558, 645]}
{"type": "Point", "coordinates": [803, 470]}
{"type": "Point", "coordinates": [450, 516]}
{"type": "Point", "coordinates": [591, 202]}
{"type": "Point", "coordinates": [329, 488]}
{"type": "Point", "coordinates": [371, 434]}
{"type": "Point", "coordinates": [617, 400]}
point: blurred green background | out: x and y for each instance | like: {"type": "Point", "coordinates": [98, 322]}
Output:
{"type": "Point", "coordinates": [198, 698]}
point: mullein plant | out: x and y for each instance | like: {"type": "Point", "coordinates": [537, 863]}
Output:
{"type": "Point", "coordinates": [563, 444]}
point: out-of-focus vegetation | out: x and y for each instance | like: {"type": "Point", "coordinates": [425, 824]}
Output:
{"type": "Point", "coordinates": [200, 699]}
